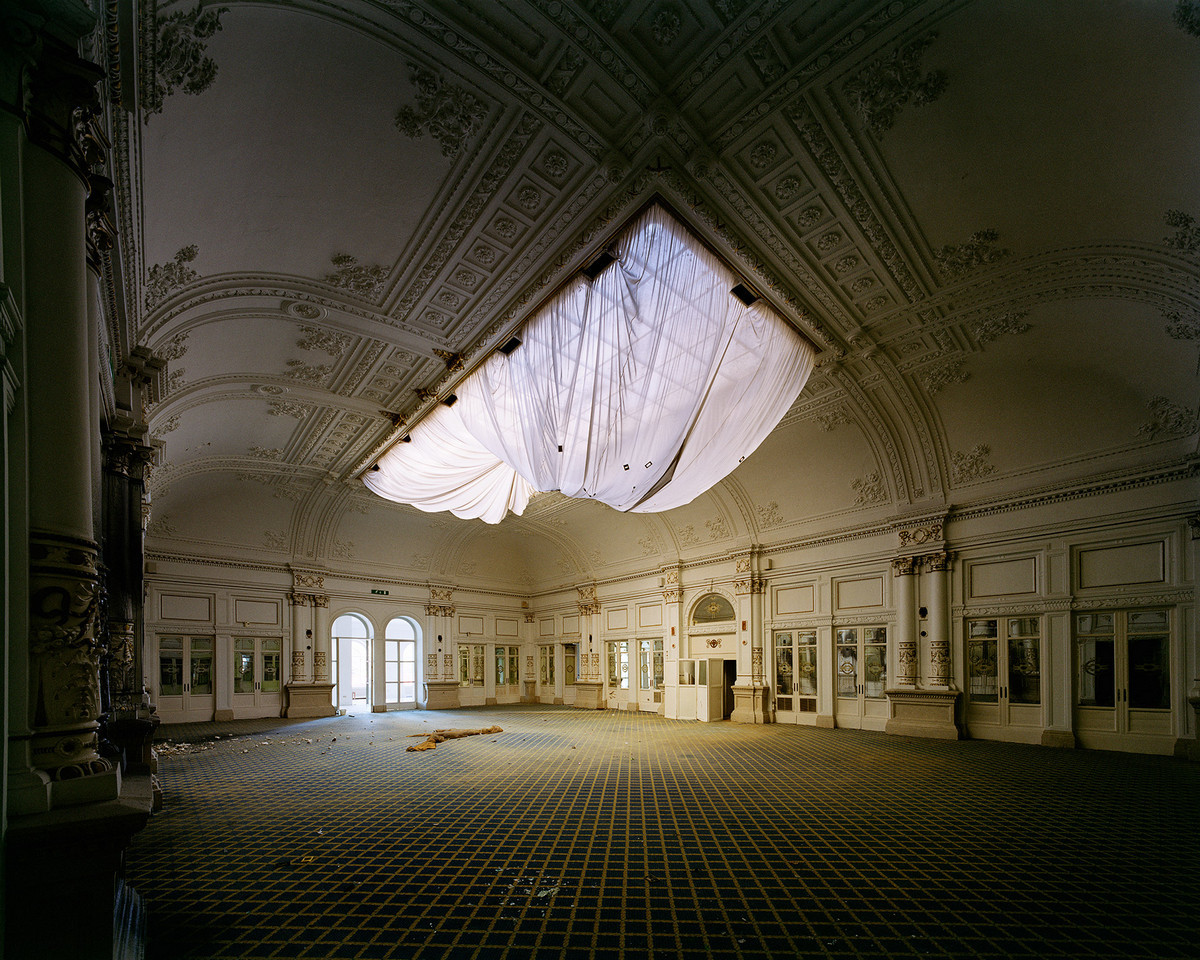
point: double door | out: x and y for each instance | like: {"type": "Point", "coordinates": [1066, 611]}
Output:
{"type": "Point", "coordinates": [650, 674]}
{"type": "Point", "coordinates": [1004, 678]}
{"type": "Point", "coordinates": [185, 679]}
{"type": "Point", "coordinates": [1123, 681]}
{"type": "Point", "coordinates": [860, 658]}
{"type": "Point", "coordinates": [257, 664]}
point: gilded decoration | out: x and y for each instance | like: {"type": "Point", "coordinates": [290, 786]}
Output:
{"type": "Point", "coordinates": [914, 536]}
{"type": "Point", "coordinates": [448, 113]}
{"type": "Point", "coordinates": [904, 566]}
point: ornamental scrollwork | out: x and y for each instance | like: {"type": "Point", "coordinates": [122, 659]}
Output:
{"type": "Point", "coordinates": [448, 113]}
{"type": "Point", "coordinates": [180, 62]}
{"type": "Point", "coordinates": [888, 83]}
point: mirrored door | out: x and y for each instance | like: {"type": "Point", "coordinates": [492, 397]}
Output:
{"type": "Point", "coordinates": [185, 679]}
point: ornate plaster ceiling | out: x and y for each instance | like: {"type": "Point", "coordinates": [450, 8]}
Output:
{"type": "Point", "coordinates": [980, 212]}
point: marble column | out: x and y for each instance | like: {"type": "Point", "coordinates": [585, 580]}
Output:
{"type": "Point", "coordinates": [302, 637]}
{"type": "Point", "coordinates": [749, 692]}
{"type": "Point", "coordinates": [321, 639]}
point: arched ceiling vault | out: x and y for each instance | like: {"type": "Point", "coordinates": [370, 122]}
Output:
{"type": "Point", "coordinates": [989, 234]}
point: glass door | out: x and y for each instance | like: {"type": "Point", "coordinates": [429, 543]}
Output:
{"type": "Point", "coordinates": [795, 674]}
{"type": "Point", "coordinates": [860, 660]}
{"type": "Point", "coordinates": [1123, 681]}
{"type": "Point", "coordinates": [546, 682]}
{"type": "Point", "coordinates": [508, 677]}
{"type": "Point", "coordinates": [256, 676]}
{"type": "Point", "coordinates": [617, 676]}
{"type": "Point", "coordinates": [1004, 678]}
{"type": "Point", "coordinates": [185, 679]}
{"type": "Point", "coordinates": [650, 674]}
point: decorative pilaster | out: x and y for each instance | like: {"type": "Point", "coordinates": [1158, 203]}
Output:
{"type": "Point", "coordinates": [302, 636]}
{"type": "Point", "coordinates": [320, 603]}
{"type": "Point", "coordinates": [441, 684]}
{"type": "Point", "coordinates": [940, 672]}
{"type": "Point", "coordinates": [589, 688]}
{"type": "Point", "coordinates": [750, 691]}
{"type": "Point", "coordinates": [904, 589]}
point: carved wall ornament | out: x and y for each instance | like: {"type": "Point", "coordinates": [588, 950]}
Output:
{"type": "Point", "coordinates": [1187, 232]}
{"type": "Point", "coordinates": [306, 372]}
{"type": "Point", "coordinates": [687, 535]}
{"type": "Point", "coordinates": [1187, 16]}
{"type": "Point", "coordinates": [163, 279]}
{"type": "Point", "coordinates": [888, 83]}
{"type": "Point", "coordinates": [829, 418]}
{"type": "Point", "coordinates": [972, 465]}
{"type": "Point", "coordinates": [742, 565]}
{"type": "Point", "coordinates": [343, 549]}
{"type": "Point", "coordinates": [787, 189]}
{"type": "Point", "coordinates": [179, 61]}
{"type": "Point", "coordinates": [274, 539]}
{"type": "Point", "coordinates": [956, 260]}
{"type": "Point", "coordinates": [445, 111]}
{"type": "Point", "coordinates": [944, 373]}
{"type": "Point", "coordinates": [914, 536]}
{"type": "Point", "coordinates": [937, 562]}
{"type": "Point", "coordinates": [994, 327]}
{"type": "Point", "coordinates": [315, 338]}
{"type": "Point", "coordinates": [363, 281]}
{"type": "Point", "coordinates": [265, 453]}
{"type": "Point", "coordinates": [763, 155]}
{"type": "Point", "coordinates": [869, 489]}
{"type": "Point", "coordinates": [672, 595]}
{"type": "Point", "coordinates": [769, 515]}
{"type": "Point", "coordinates": [1181, 326]}
{"type": "Point", "coordinates": [288, 408]}
{"type": "Point", "coordinates": [177, 346]}
{"type": "Point", "coordinates": [718, 529]}
{"type": "Point", "coordinates": [665, 26]}
{"type": "Point", "coordinates": [1169, 419]}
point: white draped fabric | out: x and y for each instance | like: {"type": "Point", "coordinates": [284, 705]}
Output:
{"type": "Point", "coordinates": [640, 389]}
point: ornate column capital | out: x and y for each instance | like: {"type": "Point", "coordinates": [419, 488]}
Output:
{"type": "Point", "coordinates": [938, 562]}
{"type": "Point", "coordinates": [319, 600]}
{"type": "Point", "coordinates": [905, 566]}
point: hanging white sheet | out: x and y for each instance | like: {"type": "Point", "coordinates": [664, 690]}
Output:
{"type": "Point", "coordinates": [640, 389]}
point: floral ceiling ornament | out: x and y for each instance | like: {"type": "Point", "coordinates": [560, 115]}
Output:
{"type": "Point", "coordinates": [888, 83]}
{"type": "Point", "coordinates": [769, 515]}
{"type": "Point", "coordinates": [453, 361]}
{"type": "Point", "coordinates": [1187, 16]}
{"type": "Point", "coordinates": [315, 338]}
{"type": "Point", "coordinates": [943, 374]}
{"type": "Point", "coordinates": [994, 327]}
{"type": "Point", "coordinates": [973, 465]}
{"type": "Point", "coordinates": [366, 282]}
{"type": "Point", "coordinates": [869, 489]}
{"type": "Point", "coordinates": [163, 279]}
{"type": "Point", "coordinates": [1187, 232]}
{"type": "Point", "coordinates": [666, 25]}
{"type": "Point", "coordinates": [1181, 327]}
{"type": "Point", "coordinates": [956, 260]}
{"type": "Point", "coordinates": [446, 112]}
{"type": "Point", "coordinates": [307, 372]}
{"type": "Point", "coordinates": [179, 61]}
{"type": "Point", "coordinates": [1169, 419]}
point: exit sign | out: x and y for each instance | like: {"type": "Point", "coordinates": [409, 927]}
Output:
{"type": "Point", "coordinates": [380, 593]}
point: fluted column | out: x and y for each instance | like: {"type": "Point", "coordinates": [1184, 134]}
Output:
{"type": "Point", "coordinates": [904, 588]}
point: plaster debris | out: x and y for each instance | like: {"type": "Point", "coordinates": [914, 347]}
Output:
{"type": "Point", "coordinates": [438, 736]}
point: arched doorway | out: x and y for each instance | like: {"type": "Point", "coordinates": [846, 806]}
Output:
{"type": "Point", "coordinates": [400, 639]}
{"type": "Point", "coordinates": [351, 673]}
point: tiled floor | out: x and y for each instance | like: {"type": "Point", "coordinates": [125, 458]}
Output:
{"type": "Point", "coordinates": [600, 834]}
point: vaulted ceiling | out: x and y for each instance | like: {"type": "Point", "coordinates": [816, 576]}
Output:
{"type": "Point", "coordinates": [981, 213]}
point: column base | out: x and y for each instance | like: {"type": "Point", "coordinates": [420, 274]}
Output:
{"type": "Point", "coordinates": [750, 703]}
{"type": "Point", "coordinates": [441, 695]}
{"type": "Point", "coordinates": [1059, 738]}
{"type": "Point", "coordinates": [589, 696]}
{"type": "Point", "coordinates": [303, 700]}
{"type": "Point", "coordinates": [922, 713]}
{"type": "Point", "coordinates": [74, 856]}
